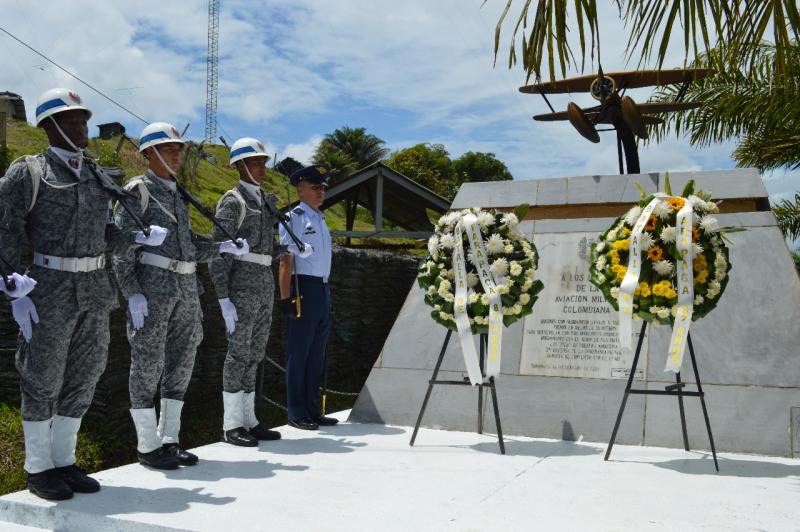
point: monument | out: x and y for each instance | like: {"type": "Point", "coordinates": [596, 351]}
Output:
{"type": "Point", "coordinates": [563, 371]}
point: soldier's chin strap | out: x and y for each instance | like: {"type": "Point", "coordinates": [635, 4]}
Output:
{"type": "Point", "coordinates": [170, 170]}
{"type": "Point", "coordinates": [64, 136]}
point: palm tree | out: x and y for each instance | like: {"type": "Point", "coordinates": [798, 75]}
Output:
{"type": "Point", "coordinates": [351, 149]}
{"type": "Point", "coordinates": [754, 106]}
{"type": "Point", "coordinates": [740, 25]}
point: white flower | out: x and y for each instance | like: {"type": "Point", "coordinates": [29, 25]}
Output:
{"type": "Point", "coordinates": [443, 291]}
{"type": "Point", "coordinates": [698, 299]}
{"type": "Point", "coordinates": [448, 274]}
{"type": "Point", "coordinates": [445, 285]}
{"type": "Point", "coordinates": [712, 207]}
{"type": "Point", "coordinates": [485, 300]}
{"type": "Point", "coordinates": [527, 284]}
{"type": "Point", "coordinates": [663, 267]}
{"type": "Point", "coordinates": [600, 246]}
{"type": "Point", "coordinates": [510, 219]}
{"type": "Point", "coordinates": [668, 235]}
{"type": "Point", "coordinates": [529, 273]}
{"type": "Point", "coordinates": [437, 307]}
{"type": "Point", "coordinates": [499, 267]}
{"type": "Point", "coordinates": [502, 289]}
{"type": "Point", "coordinates": [697, 202]}
{"type": "Point", "coordinates": [632, 215]}
{"type": "Point", "coordinates": [615, 292]}
{"type": "Point", "coordinates": [443, 315]}
{"type": "Point", "coordinates": [524, 299]}
{"type": "Point", "coordinates": [516, 234]}
{"type": "Point", "coordinates": [662, 211]}
{"type": "Point", "coordinates": [447, 242]}
{"type": "Point", "coordinates": [600, 264]}
{"type": "Point", "coordinates": [674, 310]}
{"type": "Point", "coordinates": [508, 249]}
{"type": "Point", "coordinates": [601, 278]}
{"type": "Point", "coordinates": [709, 224]}
{"type": "Point", "coordinates": [472, 280]}
{"type": "Point", "coordinates": [611, 235]}
{"type": "Point", "coordinates": [431, 290]}
{"type": "Point", "coordinates": [697, 249]}
{"type": "Point", "coordinates": [517, 308]}
{"type": "Point", "coordinates": [473, 297]}
{"type": "Point", "coordinates": [495, 244]}
{"type": "Point", "coordinates": [646, 240]}
{"type": "Point", "coordinates": [515, 268]}
{"type": "Point", "coordinates": [485, 219]}
{"type": "Point", "coordinates": [663, 312]}
{"type": "Point", "coordinates": [433, 246]}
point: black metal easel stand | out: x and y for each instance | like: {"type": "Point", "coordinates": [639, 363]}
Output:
{"type": "Point", "coordinates": [672, 389]}
{"type": "Point", "coordinates": [483, 342]}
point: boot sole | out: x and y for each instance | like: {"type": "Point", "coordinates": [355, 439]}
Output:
{"type": "Point", "coordinates": [164, 467]}
{"type": "Point", "coordinates": [243, 444]}
{"type": "Point", "coordinates": [50, 498]}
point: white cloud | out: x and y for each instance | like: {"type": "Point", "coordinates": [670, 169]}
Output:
{"type": "Point", "coordinates": [303, 151]}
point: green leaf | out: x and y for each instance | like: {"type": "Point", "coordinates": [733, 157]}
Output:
{"type": "Point", "coordinates": [642, 191]}
{"type": "Point", "coordinates": [688, 190]}
{"type": "Point", "coordinates": [521, 210]}
{"type": "Point", "coordinates": [667, 185]}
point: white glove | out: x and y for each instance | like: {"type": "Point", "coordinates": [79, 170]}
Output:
{"type": "Point", "coordinates": [156, 238]}
{"type": "Point", "coordinates": [137, 305]}
{"type": "Point", "coordinates": [228, 314]}
{"type": "Point", "coordinates": [24, 312]}
{"type": "Point", "coordinates": [307, 250]}
{"type": "Point", "coordinates": [24, 285]}
{"type": "Point", "coordinates": [230, 247]}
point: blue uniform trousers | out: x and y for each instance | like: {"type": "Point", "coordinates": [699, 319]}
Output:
{"type": "Point", "coordinates": [306, 339]}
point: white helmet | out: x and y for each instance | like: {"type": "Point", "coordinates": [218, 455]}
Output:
{"type": "Point", "coordinates": [247, 147]}
{"type": "Point", "coordinates": [57, 101]}
{"type": "Point", "coordinates": [158, 133]}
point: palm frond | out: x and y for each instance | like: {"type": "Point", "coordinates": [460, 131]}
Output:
{"type": "Point", "coordinates": [788, 215]}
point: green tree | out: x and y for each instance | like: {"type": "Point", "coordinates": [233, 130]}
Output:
{"type": "Point", "coordinates": [348, 150]}
{"type": "Point", "coordinates": [475, 166]}
{"type": "Point", "coordinates": [427, 164]}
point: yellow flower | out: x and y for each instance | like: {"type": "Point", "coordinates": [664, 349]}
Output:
{"type": "Point", "coordinates": [676, 203]}
{"type": "Point", "coordinates": [695, 234]}
{"type": "Point", "coordinates": [644, 289]}
{"type": "Point", "coordinates": [662, 289]}
{"type": "Point", "coordinates": [626, 231]}
{"type": "Point", "coordinates": [620, 271]}
{"type": "Point", "coordinates": [701, 277]}
{"type": "Point", "coordinates": [670, 293]}
{"type": "Point", "coordinates": [700, 263]}
{"type": "Point", "coordinates": [622, 244]}
{"type": "Point", "coordinates": [614, 254]}
{"type": "Point", "coordinates": [655, 253]}
{"type": "Point", "coordinates": [651, 224]}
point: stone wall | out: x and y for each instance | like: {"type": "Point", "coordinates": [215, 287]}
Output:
{"type": "Point", "coordinates": [368, 289]}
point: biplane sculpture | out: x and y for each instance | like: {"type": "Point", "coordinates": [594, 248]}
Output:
{"type": "Point", "coordinates": [628, 118]}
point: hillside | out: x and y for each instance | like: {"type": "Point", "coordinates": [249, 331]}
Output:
{"type": "Point", "coordinates": [212, 179]}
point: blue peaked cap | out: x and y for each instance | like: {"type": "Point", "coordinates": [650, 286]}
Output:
{"type": "Point", "coordinates": [316, 173]}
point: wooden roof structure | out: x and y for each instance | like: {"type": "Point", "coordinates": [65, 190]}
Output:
{"type": "Point", "coordinates": [388, 195]}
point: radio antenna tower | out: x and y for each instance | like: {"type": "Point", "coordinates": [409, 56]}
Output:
{"type": "Point", "coordinates": [212, 68]}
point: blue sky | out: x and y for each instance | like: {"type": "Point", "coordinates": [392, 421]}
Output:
{"type": "Point", "coordinates": [292, 70]}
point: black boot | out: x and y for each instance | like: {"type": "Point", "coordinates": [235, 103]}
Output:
{"type": "Point", "coordinates": [183, 457]}
{"type": "Point", "coordinates": [77, 480]}
{"type": "Point", "coordinates": [305, 423]}
{"type": "Point", "coordinates": [158, 459]}
{"type": "Point", "coordinates": [262, 433]}
{"type": "Point", "coordinates": [48, 485]}
{"type": "Point", "coordinates": [239, 436]}
{"type": "Point", "coordinates": [324, 421]}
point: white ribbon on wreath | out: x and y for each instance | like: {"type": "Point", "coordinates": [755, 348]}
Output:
{"type": "Point", "coordinates": [469, 224]}
{"type": "Point", "coordinates": [685, 273]}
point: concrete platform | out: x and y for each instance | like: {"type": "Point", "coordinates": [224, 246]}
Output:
{"type": "Point", "coordinates": [355, 477]}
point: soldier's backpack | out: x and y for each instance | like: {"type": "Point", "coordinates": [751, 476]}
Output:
{"type": "Point", "coordinates": [144, 196]}
{"type": "Point", "coordinates": [243, 208]}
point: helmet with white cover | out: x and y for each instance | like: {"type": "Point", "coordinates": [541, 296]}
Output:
{"type": "Point", "coordinates": [247, 147]}
{"type": "Point", "coordinates": [158, 133]}
{"type": "Point", "coordinates": [56, 101]}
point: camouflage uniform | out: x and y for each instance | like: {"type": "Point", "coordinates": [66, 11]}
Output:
{"type": "Point", "coordinates": [163, 350]}
{"type": "Point", "coordinates": [249, 286]}
{"type": "Point", "coordinates": [71, 217]}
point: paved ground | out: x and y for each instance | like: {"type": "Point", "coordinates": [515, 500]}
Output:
{"type": "Point", "coordinates": [365, 477]}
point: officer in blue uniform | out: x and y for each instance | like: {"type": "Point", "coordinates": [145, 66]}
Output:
{"type": "Point", "coordinates": [307, 324]}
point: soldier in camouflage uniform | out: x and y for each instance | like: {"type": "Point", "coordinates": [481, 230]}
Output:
{"type": "Point", "coordinates": [164, 315]}
{"type": "Point", "coordinates": [246, 289]}
{"type": "Point", "coordinates": [54, 202]}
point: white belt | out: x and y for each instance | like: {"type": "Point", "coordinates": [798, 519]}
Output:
{"type": "Point", "coordinates": [165, 263]}
{"type": "Point", "coordinates": [70, 264]}
{"type": "Point", "coordinates": [257, 258]}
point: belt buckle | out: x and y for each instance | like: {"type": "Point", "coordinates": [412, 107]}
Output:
{"type": "Point", "coordinates": [173, 265]}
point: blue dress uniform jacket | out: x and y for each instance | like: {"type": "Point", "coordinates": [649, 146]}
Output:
{"type": "Point", "coordinates": [307, 336]}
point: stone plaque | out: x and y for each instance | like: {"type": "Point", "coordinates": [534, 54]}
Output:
{"type": "Point", "coordinates": [573, 330]}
